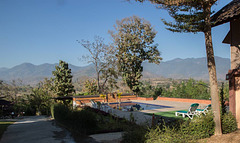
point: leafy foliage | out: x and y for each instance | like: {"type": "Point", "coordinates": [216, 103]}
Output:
{"type": "Point", "coordinates": [88, 120]}
{"type": "Point", "coordinates": [195, 16]}
{"type": "Point", "coordinates": [188, 131]}
{"type": "Point", "coordinates": [189, 15]}
{"type": "Point", "coordinates": [37, 102]}
{"type": "Point", "coordinates": [90, 87]}
{"type": "Point", "coordinates": [81, 121]}
{"type": "Point", "coordinates": [229, 123]}
{"type": "Point", "coordinates": [134, 41]}
{"type": "Point", "coordinates": [147, 90]}
{"type": "Point", "coordinates": [224, 96]}
{"type": "Point", "coordinates": [11, 91]}
{"type": "Point", "coordinates": [200, 127]}
{"type": "Point", "coordinates": [40, 101]}
{"type": "Point", "coordinates": [188, 89]}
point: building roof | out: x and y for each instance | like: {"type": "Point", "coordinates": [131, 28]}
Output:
{"type": "Point", "coordinates": [63, 97]}
{"type": "Point", "coordinates": [227, 13]}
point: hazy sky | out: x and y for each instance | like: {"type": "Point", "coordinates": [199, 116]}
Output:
{"type": "Point", "coordinates": [45, 31]}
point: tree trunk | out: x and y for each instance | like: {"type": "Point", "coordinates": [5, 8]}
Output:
{"type": "Point", "coordinates": [98, 77]}
{"type": "Point", "coordinates": [212, 73]}
{"type": "Point", "coordinates": [98, 82]}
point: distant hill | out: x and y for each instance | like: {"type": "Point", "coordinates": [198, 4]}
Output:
{"type": "Point", "coordinates": [177, 69]}
{"type": "Point", "coordinates": [32, 74]}
{"type": "Point", "coordinates": [188, 68]}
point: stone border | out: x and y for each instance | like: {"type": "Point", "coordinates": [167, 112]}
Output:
{"type": "Point", "coordinates": [185, 100]}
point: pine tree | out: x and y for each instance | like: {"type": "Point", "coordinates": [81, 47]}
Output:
{"type": "Point", "coordinates": [63, 80]}
{"type": "Point", "coordinates": [194, 16]}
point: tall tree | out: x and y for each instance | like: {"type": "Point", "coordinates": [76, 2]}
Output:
{"type": "Point", "coordinates": [134, 41]}
{"type": "Point", "coordinates": [47, 86]}
{"type": "Point", "coordinates": [40, 100]}
{"type": "Point", "coordinates": [90, 87]}
{"type": "Point", "coordinates": [63, 80]}
{"type": "Point", "coordinates": [194, 16]}
{"type": "Point", "coordinates": [103, 59]}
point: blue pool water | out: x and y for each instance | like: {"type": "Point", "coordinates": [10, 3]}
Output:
{"type": "Point", "coordinates": [144, 106]}
{"type": "Point", "coordinates": [151, 106]}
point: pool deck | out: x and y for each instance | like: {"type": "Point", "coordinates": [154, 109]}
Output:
{"type": "Point", "coordinates": [171, 105]}
{"type": "Point", "coordinates": [140, 116]}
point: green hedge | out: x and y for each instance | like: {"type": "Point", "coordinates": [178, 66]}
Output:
{"type": "Point", "coordinates": [229, 123]}
{"type": "Point", "coordinates": [81, 121]}
{"type": "Point", "coordinates": [191, 130]}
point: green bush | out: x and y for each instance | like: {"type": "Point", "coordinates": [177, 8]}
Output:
{"type": "Point", "coordinates": [200, 127]}
{"type": "Point", "coordinates": [148, 90]}
{"type": "Point", "coordinates": [191, 130]}
{"type": "Point", "coordinates": [29, 111]}
{"type": "Point", "coordinates": [187, 89]}
{"type": "Point", "coordinates": [229, 123]}
{"type": "Point", "coordinates": [188, 131]}
{"type": "Point", "coordinates": [61, 113]}
{"type": "Point", "coordinates": [165, 134]}
{"type": "Point", "coordinates": [82, 121]}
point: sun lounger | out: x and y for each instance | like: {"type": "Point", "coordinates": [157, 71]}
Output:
{"type": "Point", "coordinates": [205, 110]}
{"type": "Point", "coordinates": [190, 113]}
{"type": "Point", "coordinates": [94, 104]}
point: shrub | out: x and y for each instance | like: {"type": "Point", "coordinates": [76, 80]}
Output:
{"type": "Point", "coordinates": [147, 90]}
{"type": "Point", "coordinates": [61, 112]}
{"type": "Point", "coordinates": [229, 123]}
{"type": "Point", "coordinates": [188, 131]}
{"type": "Point", "coordinates": [29, 111]}
{"type": "Point", "coordinates": [158, 92]}
{"type": "Point", "coordinates": [81, 121]}
{"type": "Point", "coordinates": [134, 134]}
{"type": "Point", "coordinates": [165, 134]}
{"type": "Point", "coordinates": [200, 127]}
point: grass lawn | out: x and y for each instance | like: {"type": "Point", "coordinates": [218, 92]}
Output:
{"type": "Point", "coordinates": [168, 114]}
{"type": "Point", "coordinates": [3, 126]}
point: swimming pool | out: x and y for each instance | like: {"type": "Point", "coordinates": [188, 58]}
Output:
{"type": "Point", "coordinates": [144, 106]}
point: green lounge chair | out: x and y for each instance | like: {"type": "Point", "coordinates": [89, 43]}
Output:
{"type": "Point", "coordinates": [190, 113]}
{"type": "Point", "coordinates": [205, 110]}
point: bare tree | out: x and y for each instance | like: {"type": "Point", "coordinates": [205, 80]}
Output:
{"type": "Point", "coordinates": [102, 57]}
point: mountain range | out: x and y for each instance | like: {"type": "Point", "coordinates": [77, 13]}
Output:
{"type": "Point", "coordinates": [177, 69]}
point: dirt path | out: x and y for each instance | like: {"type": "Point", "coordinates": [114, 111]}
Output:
{"type": "Point", "coordinates": [36, 129]}
{"type": "Point", "coordinates": [225, 138]}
